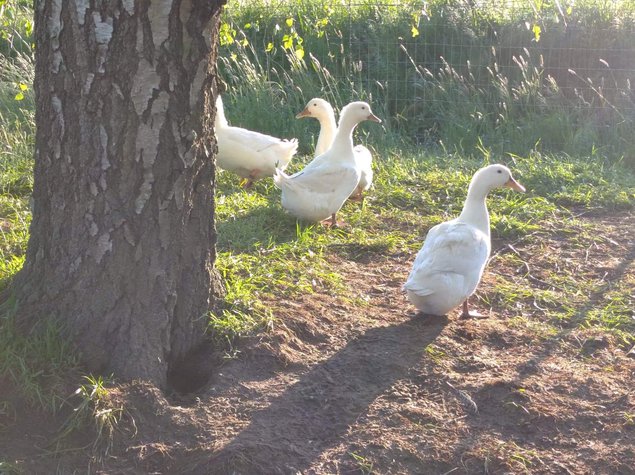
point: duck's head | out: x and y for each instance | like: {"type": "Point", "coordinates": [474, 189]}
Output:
{"type": "Point", "coordinates": [358, 112]}
{"type": "Point", "coordinates": [316, 108]}
{"type": "Point", "coordinates": [496, 176]}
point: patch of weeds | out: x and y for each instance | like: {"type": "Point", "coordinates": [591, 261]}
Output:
{"type": "Point", "coordinates": [97, 409]}
{"type": "Point", "coordinates": [247, 221]}
{"type": "Point", "coordinates": [364, 465]}
{"type": "Point", "coordinates": [514, 214]}
{"type": "Point", "coordinates": [233, 323]}
{"type": "Point", "coordinates": [508, 293]}
{"type": "Point", "coordinates": [614, 313]}
{"type": "Point", "coordinates": [14, 229]}
{"type": "Point", "coordinates": [435, 353]}
{"type": "Point", "coordinates": [38, 363]}
{"type": "Point", "coordinates": [8, 268]}
{"type": "Point", "coordinates": [264, 254]}
{"type": "Point", "coordinates": [17, 124]}
{"type": "Point", "coordinates": [568, 181]}
{"type": "Point", "coordinates": [537, 328]}
{"type": "Point", "coordinates": [266, 274]}
{"type": "Point", "coordinates": [8, 468]}
{"type": "Point", "coordinates": [519, 458]}
{"type": "Point", "coordinates": [421, 183]}
{"type": "Point", "coordinates": [359, 244]}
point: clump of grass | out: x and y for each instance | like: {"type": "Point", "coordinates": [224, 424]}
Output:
{"type": "Point", "coordinates": [16, 27]}
{"type": "Point", "coordinates": [363, 463]}
{"type": "Point", "coordinates": [95, 408]}
{"type": "Point", "coordinates": [38, 363]}
{"type": "Point", "coordinates": [614, 312]}
{"type": "Point", "coordinates": [8, 468]}
{"type": "Point", "coordinates": [14, 226]}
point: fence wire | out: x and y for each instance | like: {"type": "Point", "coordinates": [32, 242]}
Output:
{"type": "Point", "coordinates": [514, 75]}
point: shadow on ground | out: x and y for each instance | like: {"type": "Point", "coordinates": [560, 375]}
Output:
{"type": "Point", "coordinates": [314, 413]}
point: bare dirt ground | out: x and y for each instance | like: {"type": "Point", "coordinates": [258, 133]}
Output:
{"type": "Point", "coordinates": [337, 387]}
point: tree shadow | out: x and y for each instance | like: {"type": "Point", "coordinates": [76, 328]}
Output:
{"type": "Point", "coordinates": [314, 413]}
{"type": "Point", "coordinates": [260, 225]}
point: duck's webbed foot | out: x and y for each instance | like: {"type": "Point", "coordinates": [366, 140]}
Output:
{"type": "Point", "coordinates": [465, 314]}
{"type": "Point", "coordinates": [249, 182]}
{"type": "Point", "coordinates": [332, 222]}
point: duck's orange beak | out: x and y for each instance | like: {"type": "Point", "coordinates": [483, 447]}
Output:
{"type": "Point", "coordinates": [514, 185]}
{"type": "Point", "coordinates": [374, 118]}
{"type": "Point", "coordinates": [305, 113]}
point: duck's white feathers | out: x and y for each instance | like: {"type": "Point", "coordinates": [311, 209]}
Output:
{"type": "Point", "coordinates": [247, 153]}
{"type": "Point", "coordinates": [451, 261]}
{"type": "Point", "coordinates": [321, 188]}
{"type": "Point", "coordinates": [448, 267]}
{"type": "Point", "coordinates": [316, 195]}
{"type": "Point", "coordinates": [364, 160]}
{"type": "Point", "coordinates": [324, 113]}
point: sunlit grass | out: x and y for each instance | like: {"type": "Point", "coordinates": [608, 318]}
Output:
{"type": "Point", "coordinates": [264, 254]}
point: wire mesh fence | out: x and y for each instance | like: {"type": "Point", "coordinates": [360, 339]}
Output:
{"type": "Point", "coordinates": [511, 75]}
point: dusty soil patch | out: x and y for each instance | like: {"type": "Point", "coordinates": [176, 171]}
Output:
{"type": "Point", "coordinates": [361, 385]}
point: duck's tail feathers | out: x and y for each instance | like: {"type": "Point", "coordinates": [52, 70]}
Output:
{"type": "Point", "coordinates": [363, 153]}
{"type": "Point", "coordinates": [293, 145]}
{"type": "Point", "coordinates": [280, 178]}
{"type": "Point", "coordinates": [416, 287]}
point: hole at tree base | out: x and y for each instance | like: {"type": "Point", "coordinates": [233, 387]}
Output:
{"type": "Point", "coordinates": [193, 372]}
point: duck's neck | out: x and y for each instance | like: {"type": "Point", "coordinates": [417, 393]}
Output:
{"type": "Point", "coordinates": [475, 208]}
{"type": "Point", "coordinates": [343, 140]}
{"type": "Point", "coordinates": [220, 120]}
{"type": "Point", "coordinates": [327, 132]}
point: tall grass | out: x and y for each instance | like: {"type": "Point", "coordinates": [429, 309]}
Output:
{"type": "Point", "coordinates": [16, 27]}
{"type": "Point", "coordinates": [17, 129]}
{"type": "Point", "coordinates": [515, 78]}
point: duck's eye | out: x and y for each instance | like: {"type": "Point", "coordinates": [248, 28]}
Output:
{"type": "Point", "coordinates": [363, 108]}
{"type": "Point", "coordinates": [500, 171]}
{"type": "Point", "coordinates": [315, 104]}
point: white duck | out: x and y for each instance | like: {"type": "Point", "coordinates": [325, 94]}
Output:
{"type": "Point", "coordinates": [249, 154]}
{"type": "Point", "coordinates": [322, 187]}
{"type": "Point", "coordinates": [323, 112]}
{"type": "Point", "coordinates": [450, 264]}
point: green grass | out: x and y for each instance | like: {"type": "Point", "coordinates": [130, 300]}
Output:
{"type": "Point", "coordinates": [93, 406]}
{"type": "Point", "coordinates": [7, 468]}
{"type": "Point", "coordinates": [265, 254]}
{"type": "Point", "coordinates": [38, 363]}
{"type": "Point", "coordinates": [16, 27]}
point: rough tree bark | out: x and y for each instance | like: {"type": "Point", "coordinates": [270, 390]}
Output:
{"type": "Point", "coordinates": [122, 240]}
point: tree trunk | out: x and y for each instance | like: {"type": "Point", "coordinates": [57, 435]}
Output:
{"type": "Point", "coordinates": [122, 240]}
